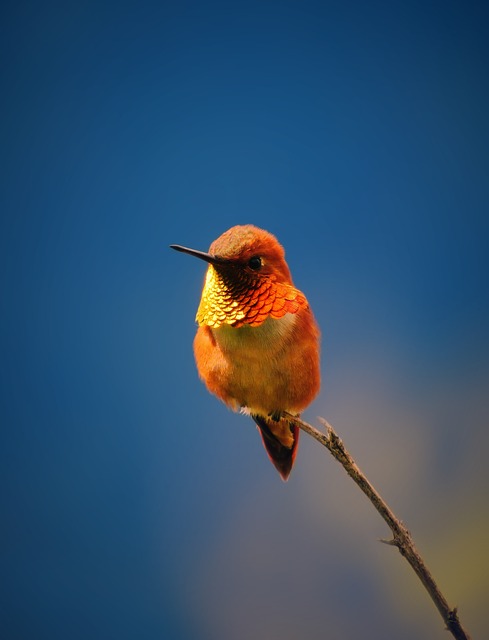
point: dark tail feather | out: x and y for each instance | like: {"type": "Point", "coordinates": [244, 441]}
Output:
{"type": "Point", "coordinates": [282, 457]}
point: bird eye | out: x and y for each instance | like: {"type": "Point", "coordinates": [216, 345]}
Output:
{"type": "Point", "coordinates": [255, 263]}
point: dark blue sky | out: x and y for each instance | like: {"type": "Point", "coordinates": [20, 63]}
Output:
{"type": "Point", "coordinates": [358, 133]}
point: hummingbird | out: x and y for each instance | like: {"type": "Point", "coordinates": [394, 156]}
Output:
{"type": "Point", "coordinates": [257, 342]}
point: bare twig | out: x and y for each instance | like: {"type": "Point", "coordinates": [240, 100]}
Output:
{"type": "Point", "coordinates": [401, 538]}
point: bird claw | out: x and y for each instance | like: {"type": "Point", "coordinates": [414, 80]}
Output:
{"type": "Point", "coordinates": [275, 415]}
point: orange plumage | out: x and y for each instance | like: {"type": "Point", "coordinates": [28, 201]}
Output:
{"type": "Point", "coordinates": [257, 345]}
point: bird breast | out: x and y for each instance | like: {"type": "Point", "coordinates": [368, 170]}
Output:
{"type": "Point", "coordinates": [256, 342]}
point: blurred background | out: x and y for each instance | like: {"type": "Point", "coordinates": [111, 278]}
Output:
{"type": "Point", "coordinates": [134, 504]}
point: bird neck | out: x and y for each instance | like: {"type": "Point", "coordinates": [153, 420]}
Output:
{"type": "Point", "coordinates": [233, 296]}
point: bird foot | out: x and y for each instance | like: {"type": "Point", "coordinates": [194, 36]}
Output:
{"type": "Point", "coordinates": [276, 416]}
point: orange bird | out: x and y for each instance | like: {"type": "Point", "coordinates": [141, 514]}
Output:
{"type": "Point", "coordinates": [257, 344]}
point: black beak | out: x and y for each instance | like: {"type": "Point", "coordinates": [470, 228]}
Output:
{"type": "Point", "coordinates": [208, 257]}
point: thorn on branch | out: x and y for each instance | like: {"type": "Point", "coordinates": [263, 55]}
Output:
{"type": "Point", "coordinates": [392, 542]}
{"type": "Point", "coordinates": [452, 621]}
{"type": "Point", "coordinates": [329, 429]}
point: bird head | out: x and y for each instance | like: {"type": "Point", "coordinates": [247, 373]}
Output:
{"type": "Point", "coordinates": [247, 280]}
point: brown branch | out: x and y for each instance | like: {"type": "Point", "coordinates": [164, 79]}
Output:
{"type": "Point", "coordinates": [401, 538]}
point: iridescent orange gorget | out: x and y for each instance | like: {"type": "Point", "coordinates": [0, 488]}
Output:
{"type": "Point", "coordinates": [233, 296]}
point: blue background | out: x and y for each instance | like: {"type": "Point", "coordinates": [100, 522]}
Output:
{"type": "Point", "coordinates": [135, 505]}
